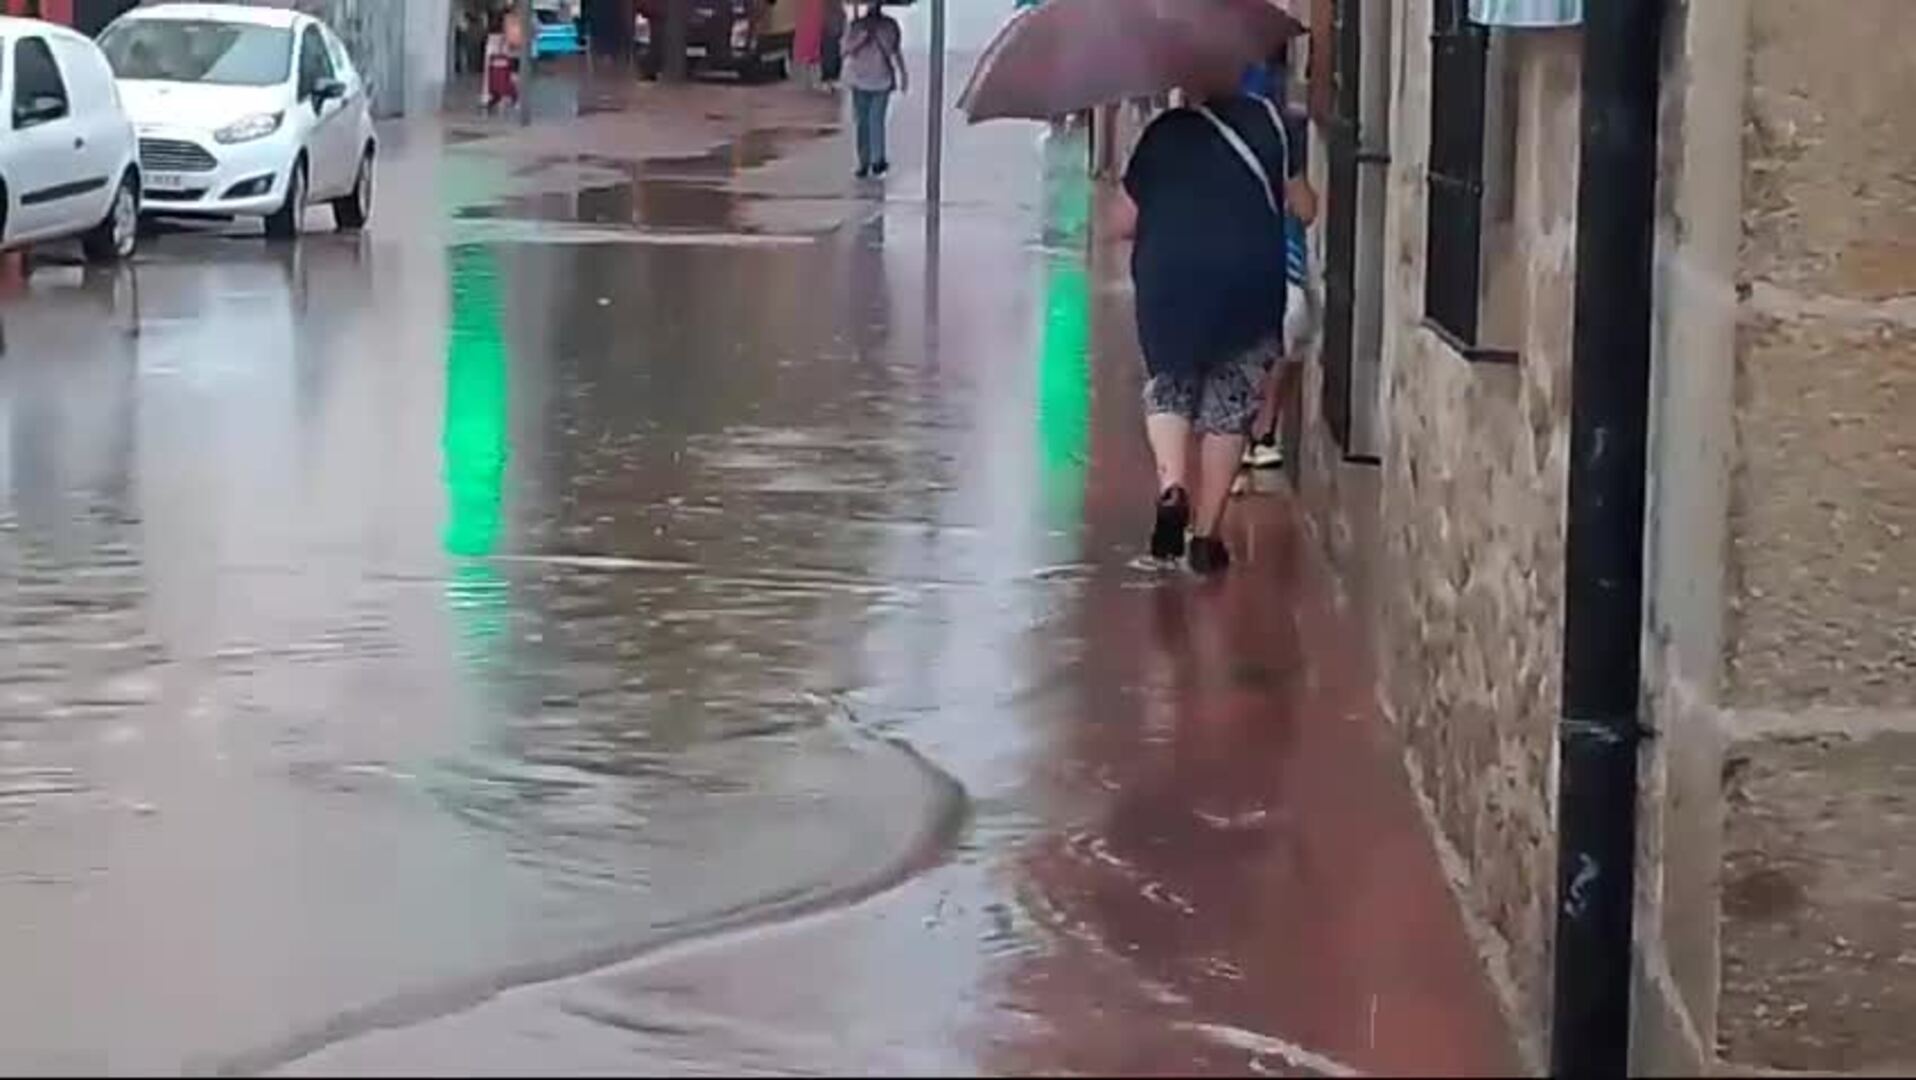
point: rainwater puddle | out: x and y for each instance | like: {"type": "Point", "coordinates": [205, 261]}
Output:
{"type": "Point", "coordinates": [690, 193]}
{"type": "Point", "coordinates": [478, 616]}
{"type": "Point", "coordinates": [279, 711]}
{"type": "Point", "coordinates": [643, 202]}
{"type": "Point", "coordinates": [749, 151]}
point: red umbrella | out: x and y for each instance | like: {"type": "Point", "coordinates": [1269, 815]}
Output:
{"type": "Point", "coordinates": [1068, 55]}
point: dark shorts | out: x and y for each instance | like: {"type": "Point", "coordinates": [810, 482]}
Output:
{"type": "Point", "coordinates": [1222, 401]}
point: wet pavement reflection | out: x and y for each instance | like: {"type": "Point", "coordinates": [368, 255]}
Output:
{"type": "Point", "coordinates": [625, 613]}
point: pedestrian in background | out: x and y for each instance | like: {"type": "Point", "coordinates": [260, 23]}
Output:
{"type": "Point", "coordinates": [831, 63]}
{"type": "Point", "coordinates": [502, 63]}
{"type": "Point", "coordinates": [808, 41]}
{"type": "Point", "coordinates": [875, 70]}
{"type": "Point", "coordinates": [1205, 196]}
{"type": "Point", "coordinates": [1271, 81]}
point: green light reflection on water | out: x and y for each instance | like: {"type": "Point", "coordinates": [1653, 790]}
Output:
{"type": "Point", "coordinates": [1064, 358]}
{"type": "Point", "coordinates": [1064, 390]}
{"type": "Point", "coordinates": [475, 445]}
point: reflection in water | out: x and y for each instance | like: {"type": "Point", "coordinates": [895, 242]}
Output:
{"type": "Point", "coordinates": [1064, 366]}
{"type": "Point", "coordinates": [1067, 188]}
{"type": "Point", "coordinates": [868, 290]}
{"type": "Point", "coordinates": [475, 446]}
{"type": "Point", "coordinates": [1064, 391]}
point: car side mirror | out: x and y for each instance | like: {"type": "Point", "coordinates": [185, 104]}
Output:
{"type": "Point", "coordinates": [38, 110]}
{"type": "Point", "coordinates": [326, 90]}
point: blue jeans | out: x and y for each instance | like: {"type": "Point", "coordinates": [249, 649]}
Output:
{"type": "Point", "coordinates": [868, 116]}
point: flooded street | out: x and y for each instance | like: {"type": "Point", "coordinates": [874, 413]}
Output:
{"type": "Point", "coordinates": [646, 606]}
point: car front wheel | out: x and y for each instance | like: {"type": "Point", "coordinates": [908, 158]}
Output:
{"type": "Point", "coordinates": [286, 222]}
{"type": "Point", "coordinates": [115, 238]}
{"type": "Point", "coordinates": [352, 210]}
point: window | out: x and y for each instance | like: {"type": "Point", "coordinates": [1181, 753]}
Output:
{"type": "Point", "coordinates": [342, 57]}
{"type": "Point", "coordinates": [1470, 294]}
{"type": "Point", "coordinates": [1453, 266]}
{"type": "Point", "coordinates": [315, 63]}
{"type": "Point", "coordinates": [196, 51]}
{"type": "Point", "coordinates": [1343, 131]}
{"type": "Point", "coordinates": [39, 93]}
{"type": "Point", "coordinates": [88, 82]}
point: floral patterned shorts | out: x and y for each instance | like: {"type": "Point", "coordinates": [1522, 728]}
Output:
{"type": "Point", "coordinates": [1223, 400]}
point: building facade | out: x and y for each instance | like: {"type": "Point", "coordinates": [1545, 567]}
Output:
{"type": "Point", "coordinates": [1776, 909]}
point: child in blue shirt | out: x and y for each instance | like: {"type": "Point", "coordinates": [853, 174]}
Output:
{"type": "Point", "coordinates": [1269, 80]}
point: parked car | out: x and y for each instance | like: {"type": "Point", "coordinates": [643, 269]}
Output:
{"type": "Point", "coordinates": [244, 111]}
{"type": "Point", "coordinates": [750, 38]}
{"type": "Point", "coordinates": [67, 161]}
{"type": "Point", "coordinates": [557, 35]}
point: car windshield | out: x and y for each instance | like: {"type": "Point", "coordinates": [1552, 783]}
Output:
{"type": "Point", "coordinates": [195, 51]}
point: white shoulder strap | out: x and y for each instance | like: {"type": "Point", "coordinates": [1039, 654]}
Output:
{"type": "Point", "coordinates": [1283, 133]}
{"type": "Point", "coordinates": [1245, 152]}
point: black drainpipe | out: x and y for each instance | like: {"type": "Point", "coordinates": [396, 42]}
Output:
{"type": "Point", "coordinates": [1601, 729]}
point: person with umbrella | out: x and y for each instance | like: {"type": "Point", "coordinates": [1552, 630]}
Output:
{"type": "Point", "coordinates": [1204, 198]}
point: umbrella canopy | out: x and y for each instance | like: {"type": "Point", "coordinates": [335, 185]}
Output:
{"type": "Point", "coordinates": [1067, 55]}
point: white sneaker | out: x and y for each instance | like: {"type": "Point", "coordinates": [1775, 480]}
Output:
{"type": "Point", "coordinates": [1264, 455]}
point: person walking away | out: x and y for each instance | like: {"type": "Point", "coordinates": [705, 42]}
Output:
{"type": "Point", "coordinates": [831, 64]}
{"type": "Point", "coordinates": [808, 40]}
{"type": "Point", "coordinates": [502, 76]}
{"type": "Point", "coordinates": [1205, 196]}
{"type": "Point", "coordinates": [464, 34]}
{"type": "Point", "coordinates": [875, 70]}
{"type": "Point", "coordinates": [1269, 81]}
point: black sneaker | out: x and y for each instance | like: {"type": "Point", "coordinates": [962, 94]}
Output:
{"type": "Point", "coordinates": [1174, 517]}
{"type": "Point", "coordinates": [881, 168]}
{"type": "Point", "coordinates": [864, 172]}
{"type": "Point", "coordinates": [1209, 555]}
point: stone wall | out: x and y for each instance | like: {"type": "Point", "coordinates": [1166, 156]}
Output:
{"type": "Point", "coordinates": [1824, 515]}
{"type": "Point", "coordinates": [1691, 445]}
{"type": "Point", "coordinates": [1818, 929]}
{"type": "Point", "coordinates": [1471, 514]}
{"type": "Point", "coordinates": [1776, 922]}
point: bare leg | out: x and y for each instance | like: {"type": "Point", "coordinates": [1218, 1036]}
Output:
{"type": "Point", "coordinates": [1289, 381]}
{"type": "Point", "coordinates": [1279, 391]}
{"type": "Point", "coordinates": [1218, 459]}
{"type": "Point", "coordinates": [1267, 413]}
{"type": "Point", "coordinates": [1170, 437]}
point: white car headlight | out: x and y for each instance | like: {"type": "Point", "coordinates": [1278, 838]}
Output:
{"type": "Point", "coordinates": [741, 34]}
{"type": "Point", "coordinates": [248, 128]}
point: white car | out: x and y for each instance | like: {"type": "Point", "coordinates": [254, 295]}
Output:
{"type": "Point", "coordinates": [244, 112]}
{"type": "Point", "coordinates": [67, 163]}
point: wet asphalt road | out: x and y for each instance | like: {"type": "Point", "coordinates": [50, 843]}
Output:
{"type": "Point", "coordinates": [409, 636]}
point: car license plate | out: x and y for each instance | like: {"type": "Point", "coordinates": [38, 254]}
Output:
{"type": "Point", "coordinates": [165, 182]}
{"type": "Point", "coordinates": [695, 50]}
